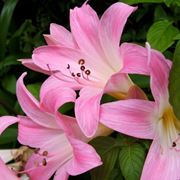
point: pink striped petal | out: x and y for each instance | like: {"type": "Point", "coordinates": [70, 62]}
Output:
{"type": "Point", "coordinates": [30, 64]}
{"type": "Point", "coordinates": [61, 174]}
{"type": "Point", "coordinates": [34, 135]}
{"type": "Point", "coordinates": [110, 29]}
{"type": "Point", "coordinates": [59, 35]}
{"type": "Point", "coordinates": [85, 158]}
{"type": "Point", "coordinates": [87, 110]}
{"type": "Point", "coordinates": [131, 117]}
{"type": "Point", "coordinates": [6, 173]}
{"type": "Point", "coordinates": [135, 59]}
{"type": "Point", "coordinates": [6, 121]}
{"type": "Point", "coordinates": [31, 106]}
{"type": "Point", "coordinates": [118, 82]}
{"type": "Point", "coordinates": [161, 165]}
{"type": "Point", "coordinates": [159, 71]}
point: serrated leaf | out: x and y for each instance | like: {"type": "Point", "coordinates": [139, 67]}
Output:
{"type": "Point", "coordinates": [174, 82]}
{"type": "Point", "coordinates": [9, 84]}
{"type": "Point", "coordinates": [141, 1]}
{"type": "Point", "coordinates": [107, 149]}
{"type": "Point", "coordinates": [5, 19]}
{"type": "Point", "coordinates": [131, 160]}
{"type": "Point", "coordinates": [161, 35]}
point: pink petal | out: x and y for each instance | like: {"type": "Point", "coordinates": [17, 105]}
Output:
{"type": "Point", "coordinates": [159, 71]}
{"type": "Point", "coordinates": [110, 30]}
{"type": "Point", "coordinates": [135, 59]}
{"type": "Point", "coordinates": [30, 64]}
{"type": "Point", "coordinates": [59, 36]}
{"type": "Point", "coordinates": [6, 173]}
{"type": "Point", "coordinates": [54, 94]}
{"type": "Point", "coordinates": [61, 174]}
{"type": "Point", "coordinates": [118, 82]}
{"type": "Point", "coordinates": [87, 110]}
{"type": "Point", "coordinates": [131, 117]}
{"type": "Point", "coordinates": [85, 158]}
{"type": "Point", "coordinates": [31, 106]}
{"type": "Point", "coordinates": [6, 121]}
{"type": "Point", "coordinates": [161, 165]}
{"type": "Point", "coordinates": [34, 135]}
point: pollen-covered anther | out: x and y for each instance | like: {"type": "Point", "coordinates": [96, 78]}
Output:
{"type": "Point", "coordinates": [78, 74]}
{"type": "Point", "coordinates": [81, 61]}
{"type": "Point", "coordinates": [45, 153]}
{"type": "Point", "coordinates": [68, 66]}
{"type": "Point", "coordinates": [174, 144]}
{"type": "Point", "coordinates": [73, 75]}
{"type": "Point", "coordinates": [82, 68]}
{"type": "Point", "coordinates": [87, 72]}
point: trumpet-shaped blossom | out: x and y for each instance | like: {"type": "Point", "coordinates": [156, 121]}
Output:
{"type": "Point", "coordinates": [89, 59]}
{"type": "Point", "coordinates": [59, 149]}
{"type": "Point", "coordinates": [151, 120]}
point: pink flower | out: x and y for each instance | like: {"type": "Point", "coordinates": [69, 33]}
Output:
{"type": "Point", "coordinates": [151, 120]}
{"type": "Point", "coordinates": [6, 173]}
{"type": "Point", "coordinates": [63, 152]}
{"type": "Point", "coordinates": [90, 60]}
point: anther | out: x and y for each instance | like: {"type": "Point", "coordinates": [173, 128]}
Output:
{"type": "Point", "coordinates": [78, 74]}
{"type": "Point", "coordinates": [87, 72]}
{"type": "Point", "coordinates": [81, 61]}
{"type": "Point", "coordinates": [173, 144]}
{"type": "Point", "coordinates": [82, 68]}
{"type": "Point", "coordinates": [45, 153]}
{"type": "Point", "coordinates": [44, 162]}
{"type": "Point", "coordinates": [72, 74]}
{"type": "Point", "coordinates": [68, 66]}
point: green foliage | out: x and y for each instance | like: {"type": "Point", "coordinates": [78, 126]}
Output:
{"type": "Point", "coordinates": [161, 35]}
{"type": "Point", "coordinates": [131, 160]}
{"type": "Point", "coordinates": [5, 20]}
{"type": "Point", "coordinates": [141, 1]}
{"type": "Point", "coordinates": [174, 82]}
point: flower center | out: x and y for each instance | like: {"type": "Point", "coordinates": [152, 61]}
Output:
{"type": "Point", "coordinates": [170, 130]}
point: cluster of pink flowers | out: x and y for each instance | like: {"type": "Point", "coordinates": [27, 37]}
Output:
{"type": "Point", "coordinates": [90, 60]}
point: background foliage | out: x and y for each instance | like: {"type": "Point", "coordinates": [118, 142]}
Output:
{"type": "Point", "coordinates": [22, 24]}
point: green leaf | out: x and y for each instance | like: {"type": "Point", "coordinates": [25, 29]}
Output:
{"type": "Point", "coordinates": [131, 160]}
{"type": "Point", "coordinates": [168, 2]}
{"type": "Point", "coordinates": [174, 82]}
{"type": "Point", "coordinates": [9, 83]}
{"type": "Point", "coordinates": [161, 35]}
{"type": "Point", "coordinates": [108, 150]}
{"type": "Point", "coordinates": [5, 19]}
{"type": "Point", "coordinates": [177, 37]}
{"type": "Point", "coordinates": [160, 14]}
{"type": "Point", "coordinates": [34, 89]}
{"type": "Point", "coordinates": [141, 1]}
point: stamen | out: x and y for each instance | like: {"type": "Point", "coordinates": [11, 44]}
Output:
{"type": "Point", "coordinates": [45, 153]}
{"type": "Point", "coordinates": [72, 74]}
{"type": "Point", "coordinates": [87, 72]}
{"type": "Point", "coordinates": [36, 151]}
{"type": "Point", "coordinates": [82, 68]}
{"type": "Point", "coordinates": [81, 61]}
{"type": "Point", "coordinates": [68, 66]}
{"type": "Point", "coordinates": [78, 74]}
{"type": "Point", "coordinates": [173, 144]}
{"type": "Point", "coordinates": [44, 162]}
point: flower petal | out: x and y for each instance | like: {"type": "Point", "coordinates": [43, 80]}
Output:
{"type": "Point", "coordinates": [135, 59]}
{"type": "Point", "coordinates": [6, 154]}
{"type": "Point", "coordinates": [59, 35]}
{"type": "Point", "coordinates": [61, 174]}
{"type": "Point", "coordinates": [131, 117]}
{"type": "Point", "coordinates": [159, 73]}
{"type": "Point", "coordinates": [30, 64]}
{"type": "Point", "coordinates": [110, 29]}
{"type": "Point", "coordinates": [87, 110]}
{"type": "Point", "coordinates": [85, 158]}
{"type": "Point", "coordinates": [119, 83]}
{"type": "Point", "coordinates": [34, 135]}
{"type": "Point", "coordinates": [6, 173]}
{"type": "Point", "coordinates": [161, 165]}
{"type": "Point", "coordinates": [31, 106]}
{"type": "Point", "coordinates": [6, 121]}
